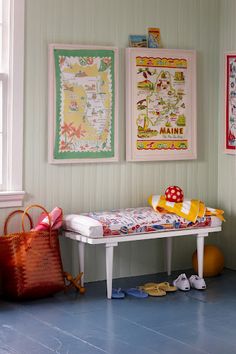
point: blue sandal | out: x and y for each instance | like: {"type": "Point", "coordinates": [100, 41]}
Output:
{"type": "Point", "coordinates": [136, 293]}
{"type": "Point", "coordinates": [117, 294]}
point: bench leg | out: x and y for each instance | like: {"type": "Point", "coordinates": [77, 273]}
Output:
{"type": "Point", "coordinates": [81, 260]}
{"type": "Point", "coordinates": [109, 267]}
{"type": "Point", "coordinates": [200, 254]}
{"type": "Point", "coordinates": [168, 254]}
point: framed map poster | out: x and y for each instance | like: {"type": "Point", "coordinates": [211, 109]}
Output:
{"type": "Point", "coordinates": [83, 101]}
{"type": "Point", "coordinates": [160, 104]}
{"type": "Point", "coordinates": [230, 103]}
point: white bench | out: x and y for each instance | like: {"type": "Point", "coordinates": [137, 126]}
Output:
{"type": "Point", "coordinates": [111, 242]}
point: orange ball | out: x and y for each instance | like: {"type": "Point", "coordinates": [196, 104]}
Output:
{"type": "Point", "coordinates": [213, 261]}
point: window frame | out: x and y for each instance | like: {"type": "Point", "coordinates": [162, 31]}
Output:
{"type": "Point", "coordinates": [12, 193]}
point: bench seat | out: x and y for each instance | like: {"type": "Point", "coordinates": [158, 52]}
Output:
{"type": "Point", "coordinates": [120, 226]}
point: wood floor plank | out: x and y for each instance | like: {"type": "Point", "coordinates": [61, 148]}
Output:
{"type": "Point", "coordinates": [196, 322]}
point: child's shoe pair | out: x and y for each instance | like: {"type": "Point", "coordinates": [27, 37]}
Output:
{"type": "Point", "coordinates": [184, 284]}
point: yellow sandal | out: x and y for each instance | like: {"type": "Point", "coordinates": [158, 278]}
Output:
{"type": "Point", "coordinates": [153, 290]}
{"type": "Point", "coordinates": [165, 286]}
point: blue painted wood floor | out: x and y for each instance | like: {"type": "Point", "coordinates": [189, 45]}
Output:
{"type": "Point", "coordinates": [182, 322]}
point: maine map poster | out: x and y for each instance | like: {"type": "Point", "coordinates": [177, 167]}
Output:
{"type": "Point", "coordinates": [83, 104]}
{"type": "Point", "coordinates": [161, 104]}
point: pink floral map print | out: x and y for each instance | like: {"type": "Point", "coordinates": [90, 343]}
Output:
{"type": "Point", "coordinates": [230, 131]}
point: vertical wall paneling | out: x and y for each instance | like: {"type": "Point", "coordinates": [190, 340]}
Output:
{"type": "Point", "coordinates": [185, 24]}
{"type": "Point", "coordinates": [227, 163]}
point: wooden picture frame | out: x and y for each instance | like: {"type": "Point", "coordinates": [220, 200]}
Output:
{"type": "Point", "coordinates": [160, 104]}
{"type": "Point", "coordinates": [230, 103]}
{"type": "Point", "coordinates": [83, 103]}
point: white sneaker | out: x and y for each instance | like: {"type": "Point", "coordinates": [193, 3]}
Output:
{"type": "Point", "coordinates": [182, 282]}
{"type": "Point", "coordinates": [197, 283]}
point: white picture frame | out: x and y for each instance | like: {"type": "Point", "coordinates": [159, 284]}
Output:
{"type": "Point", "coordinates": [158, 126]}
{"type": "Point", "coordinates": [230, 104]}
{"type": "Point", "coordinates": [82, 115]}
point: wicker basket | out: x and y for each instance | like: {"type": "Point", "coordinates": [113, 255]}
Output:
{"type": "Point", "coordinates": [30, 262]}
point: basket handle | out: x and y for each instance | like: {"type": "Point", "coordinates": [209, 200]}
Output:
{"type": "Point", "coordinates": [10, 216]}
{"type": "Point", "coordinates": [46, 212]}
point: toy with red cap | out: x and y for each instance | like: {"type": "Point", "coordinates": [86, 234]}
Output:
{"type": "Point", "coordinates": [174, 194]}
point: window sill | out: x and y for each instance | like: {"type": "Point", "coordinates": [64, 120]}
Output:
{"type": "Point", "coordinates": [11, 199]}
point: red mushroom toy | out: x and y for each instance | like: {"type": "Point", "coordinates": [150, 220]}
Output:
{"type": "Point", "coordinates": [174, 194]}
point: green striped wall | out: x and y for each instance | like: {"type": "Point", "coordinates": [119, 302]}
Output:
{"type": "Point", "coordinates": [185, 24]}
